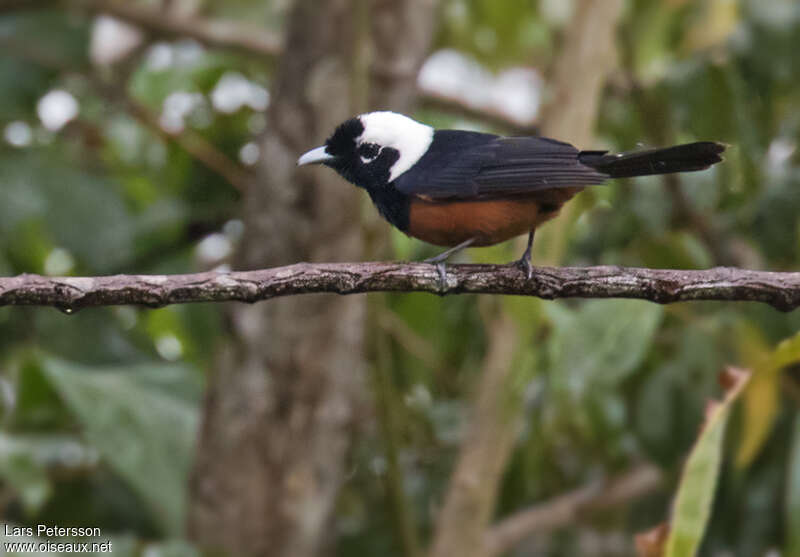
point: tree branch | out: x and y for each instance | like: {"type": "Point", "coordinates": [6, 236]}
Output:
{"type": "Point", "coordinates": [663, 286]}
{"type": "Point", "coordinates": [566, 509]}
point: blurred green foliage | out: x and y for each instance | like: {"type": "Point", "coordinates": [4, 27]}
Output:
{"type": "Point", "coordinates": [99, 409]}
{"type": "Point", "coordinates": [699, 479]}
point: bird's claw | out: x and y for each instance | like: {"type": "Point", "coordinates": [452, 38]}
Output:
{"type": "Point", "coordinates": [440, 269]}
{"type": "Point", "coordinates": [525, 266]}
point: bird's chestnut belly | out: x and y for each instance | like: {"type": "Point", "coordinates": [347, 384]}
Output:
{"type": "Point", "coordinates": [448, 223]}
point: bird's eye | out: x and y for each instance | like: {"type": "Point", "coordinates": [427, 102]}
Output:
{"type": "Point", "coordinates": [368, 151]}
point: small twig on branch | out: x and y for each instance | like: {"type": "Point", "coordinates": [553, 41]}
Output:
{"type": "Point", "coordinates": [566, 509]}
{"type": "Point", "coordinates": [663, 286]}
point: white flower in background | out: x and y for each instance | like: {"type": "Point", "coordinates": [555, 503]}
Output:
{"type": "Point", "coordinates": [234, 230]}
{"type": "Point", "coordinates": [177, 107]}
{"type": "Point", "coordinates": [112, 40]}
{"type": "Point", "coordinates": [18, 134]}
{"type": "Point", "coordinates": [58, 262]}
{"type": "Point", "coordinates": [449, 73]}
{"type": "Point", "coordinates": [169, 347]}
{"type": "Point", "coordinates": [249, 153]}
{"type": "Point", "coordinates": [163, 55]}
{"type": "Point", "coordinates": [159, 57]}
{"type": "Point", "coordinates": [514, 93]}
{"type": "Point", "coordinates": [557, 12]}
{"type": "Point", "coordinates": [187, 53]}
{"type": "Point", "coordinates": [233, 91]}
{"type": "Point", "coordinates": [779, 154]}
{"type": "Point", "coordinates": [56, 108]}
{"type": "Point", "coordinates": [517, 94]}
{"type": "Point", "coordinates": [214, 248]}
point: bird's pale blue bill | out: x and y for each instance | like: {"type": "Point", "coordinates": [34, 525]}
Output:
{"type": "Point", "coordinates": [314, 156]}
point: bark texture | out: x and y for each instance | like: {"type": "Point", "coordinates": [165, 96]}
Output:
{"type": "Point", "coordinates": [401, 33]}
{"type": "Point", "coordinates": [663, 286]}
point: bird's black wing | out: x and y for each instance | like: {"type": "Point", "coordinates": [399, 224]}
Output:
{"type": "Point", "coordinates": [466, 165]}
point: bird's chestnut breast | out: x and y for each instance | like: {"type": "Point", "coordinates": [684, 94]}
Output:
{"type": "Point", "coordinates": [489, 221]}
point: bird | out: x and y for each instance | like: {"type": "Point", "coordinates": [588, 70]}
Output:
{"type": "Point", "coordinates": [460, 188]}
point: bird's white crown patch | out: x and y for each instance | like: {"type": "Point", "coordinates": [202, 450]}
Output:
{"type": "Point", "coordinates": [389, 129]}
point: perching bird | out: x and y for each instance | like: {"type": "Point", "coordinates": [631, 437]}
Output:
{"type": "Point", "coordinates": [460, 188]}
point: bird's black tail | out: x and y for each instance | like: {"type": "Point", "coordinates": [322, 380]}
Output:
{"type": "Point", "coordinates": [680, 158]}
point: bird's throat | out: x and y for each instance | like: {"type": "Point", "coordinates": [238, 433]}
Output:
{"type": "Point", "coordinates": [392, 205]}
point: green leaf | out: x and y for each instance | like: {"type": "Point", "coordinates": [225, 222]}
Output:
{"type": "Point", "coordinates": [602, 342]}
{"type": "Point", "coordinates": [25, 461]}
{"type": "Point", "coordinates": [786, 353]}
{"type": "Point", "coordinates": [37, 405]}
{"type": "Point", "coordinates": [761, 403]}
{"type": "Point", "coordinates": [28, 479]}
{"type": "Point", "coordinates": [51, 201]}
{"type": "Point", "coordinates": [762, 397]}
{"type": "Point", "coordinates": [145, 435]}
{"type": "Point", "coordinates": [699, 479]}
{"type": "Point", "coordinates": [49, 451]}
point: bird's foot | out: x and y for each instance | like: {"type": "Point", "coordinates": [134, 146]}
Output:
{"type": "Point", "coordinates": [525, 265]}
{"type": "Point", "coordinates": [440, 268]}
{"type": "Point", "coordinates": [439, 262]}
{"type": "Point", "coordinates": [524, 262]}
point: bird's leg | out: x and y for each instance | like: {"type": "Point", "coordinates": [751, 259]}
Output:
{"type": "Point", "coordinates": [440, 259]}
{"type": "Point", "coordinates": [525, 260]}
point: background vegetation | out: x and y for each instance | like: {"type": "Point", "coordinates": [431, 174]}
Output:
{"type": "Point", "coordinates": [100, 410]}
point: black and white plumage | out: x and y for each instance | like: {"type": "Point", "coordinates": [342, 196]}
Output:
{"type": "Point", "coordinates": [453, 187]}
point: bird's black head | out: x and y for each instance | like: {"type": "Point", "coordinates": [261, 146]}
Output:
{"type": "Point", "coordinates": [373, 149]}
